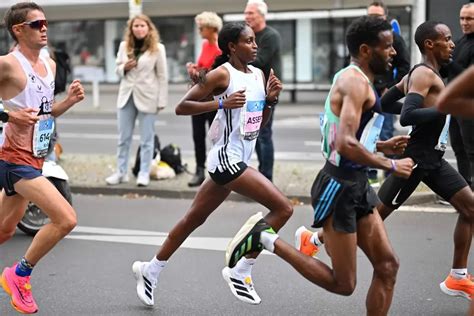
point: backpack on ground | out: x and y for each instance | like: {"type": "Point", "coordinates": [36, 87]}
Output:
{"type": "Point", "coordinates": [171, 154]}
{"type": "Point", "coordinates": [156, 150]}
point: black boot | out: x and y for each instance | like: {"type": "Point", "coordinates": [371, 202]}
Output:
{"type": "Point", "coordinates": [198, 177]}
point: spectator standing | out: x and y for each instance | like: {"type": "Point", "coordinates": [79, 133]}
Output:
{"type": "Point", "coordinates": [462, 128]}
{"type": "Point", "coordinates": [141, 65]}
{"type": "Point", "coordinates": [268, 57]}
{"type": "Point", "coordinates": [209, 24]}
{"type": "Point", "coordinates": [400, 67]}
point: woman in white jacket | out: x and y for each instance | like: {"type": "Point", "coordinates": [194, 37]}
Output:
{"type": "Point", "coordinates": [141, 65]}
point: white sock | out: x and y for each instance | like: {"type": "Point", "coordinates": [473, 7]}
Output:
{"type": "Point", "coordinates": [315, 239]}
{"type": "Point", "coordinates": [268, 240]}
{"type": "Point", "coordinates": [244, 266]}
{"type": "Point", "coordinates": [459, 273]}
{"type": "Point", "coordinates": [153, 268]}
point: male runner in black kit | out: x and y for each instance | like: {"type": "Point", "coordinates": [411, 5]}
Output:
{"type": "Point", "coordinates": [426, 147]}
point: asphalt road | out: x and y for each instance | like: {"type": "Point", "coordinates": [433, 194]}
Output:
{"type": "Point", "coordinates": [89, 273]}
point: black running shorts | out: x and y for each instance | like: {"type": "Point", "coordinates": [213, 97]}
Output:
{"type": "Point", "coordinates": [444, 181]}
{"type": "Point", "coordinates": [228, 174]}
{"type": "Point", "coordinates": [344, 193]}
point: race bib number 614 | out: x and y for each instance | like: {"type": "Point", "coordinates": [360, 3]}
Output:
{"type": "Point", "coordinates": [42, 133]}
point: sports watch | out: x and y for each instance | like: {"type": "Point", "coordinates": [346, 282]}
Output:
{"type": "Point", "coordinates": [4, 116]}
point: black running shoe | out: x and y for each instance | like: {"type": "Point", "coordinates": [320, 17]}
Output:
{"type": "Point", "coordinates": [247, 239]}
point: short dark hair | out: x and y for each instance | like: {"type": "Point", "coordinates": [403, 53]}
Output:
{"type": "Point", "coordinates": [365, 30]}
{"type": "Point", "coordinates": [426, 31]}
{"type": "Point", "coordinates": [17, 13]}
{"type": "Point", "coordinates": [379, 4]}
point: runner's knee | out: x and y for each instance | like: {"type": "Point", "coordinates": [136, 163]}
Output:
{"type": "Point", "coordinates": [466, 211]}
{"type": "Point", "coordinates": [387, 269]}
{"type": "Point", "coordinates": [346, 287]}
{"type": "Point", "coordinates": [67, 223]}
{"type": "Point", "coordinates": [287, 210]}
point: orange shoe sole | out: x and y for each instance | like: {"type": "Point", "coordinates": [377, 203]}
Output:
{"type": "Point", "coordinates": [5, 287]}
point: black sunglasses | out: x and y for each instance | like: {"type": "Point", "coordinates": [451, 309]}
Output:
{"type": "Point", "coordinates": [37, 24]}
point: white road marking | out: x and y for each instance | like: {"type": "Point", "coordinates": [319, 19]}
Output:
{"type": "Point", "coordinates": [305, 122]}
{"type": "Point", "coordinates": [427, 209]}
{"type": "Point", "coordinates": [153, 238]}
{"type": "Point", "coordinates": [142, 237]}
{"type": "Point", "coordinates": [311, 143]}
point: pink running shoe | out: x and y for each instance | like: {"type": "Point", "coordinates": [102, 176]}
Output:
{"type": "Point", "coordinates": [19, 288]}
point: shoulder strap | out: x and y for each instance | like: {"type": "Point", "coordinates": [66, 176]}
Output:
{"type": "Point", "coordinates": [419, 65]}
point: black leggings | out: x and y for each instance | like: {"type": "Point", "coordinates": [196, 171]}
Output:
{"type": "Point", "coordinates": [462, 140]}
{"type": "Point", "coordinates": [199, 135]}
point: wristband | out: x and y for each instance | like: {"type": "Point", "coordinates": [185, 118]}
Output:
{"type": "Point", "coordinates": [220, 102]}
{"type": "Point", "coordinates": [270, 104]}
{"type": "Point", "coordinates": [394, 165]}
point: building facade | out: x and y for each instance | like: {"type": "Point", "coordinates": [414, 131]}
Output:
{"type": "Point", "coordinates": [313, 32]}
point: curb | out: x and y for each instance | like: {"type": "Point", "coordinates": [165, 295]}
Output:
{"type": "Point", "coordinates": [414, 199]}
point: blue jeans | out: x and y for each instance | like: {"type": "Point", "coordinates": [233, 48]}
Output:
{"type": "Point", "coordinates": [385, 133]}
{"type": "Point", "coordinates": [126, 123]}
{"type": "Point", "coordinates": [265, 150]}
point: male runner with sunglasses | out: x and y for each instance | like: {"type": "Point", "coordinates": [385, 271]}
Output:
{"type": "Point", "coordinates": [27, 91]}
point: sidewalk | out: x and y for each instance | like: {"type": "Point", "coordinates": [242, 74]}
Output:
{"type": "Point", "coordinates": [87, 172]}
{"type": "Point", "coordinates": [294, 179]}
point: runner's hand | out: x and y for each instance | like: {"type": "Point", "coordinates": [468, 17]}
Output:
{"type": "Point", "coordinates": [24, 117]}
{"type": "Point", "coordinates": [403, 167]}
{"type": "Point", "coordinates": [235, 100]}
{"type": "Point", "coordinates": [75, 92]}
{"type": "Point", "coordinates": [193, 72]}
{"type": "Point", "coordinates": [274, 86]}
{"type": "Point", "coordinates": [395, 145]}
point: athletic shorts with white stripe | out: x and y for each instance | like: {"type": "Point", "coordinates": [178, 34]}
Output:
{"type": "Point", "coordinates": [343, 193]}
{"type": "Point", "coordinates": [228, 173]}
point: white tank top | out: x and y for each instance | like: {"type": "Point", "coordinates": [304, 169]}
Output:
{"type": "Point", "coordinates": [37, 94]}
{"type": "Point", "coordinates": [234, 131]}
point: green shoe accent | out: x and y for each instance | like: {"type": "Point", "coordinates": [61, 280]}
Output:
{"type": "Point", "coordinates": [270, 230]}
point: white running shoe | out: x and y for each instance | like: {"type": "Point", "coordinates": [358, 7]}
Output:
{"type": "Point", "coordinates": [143, 180]}
{"type": "Point", "coordinates": [116, 178]}
{"type": "Point", "coordinates": [242, 288]}
{"type": "Point", "coordinates": [144, 286]}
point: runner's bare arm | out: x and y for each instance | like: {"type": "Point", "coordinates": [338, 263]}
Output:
{"type": "Point", "coordinates": [413, 112]}
{"type": "Point", "coordinates": [75, 94]}
{"type": "Point", "coordinates": [273, 89]}
{"type": "Point", "coordinates": [216, 82]}
{"type": "Point", "coordinates": [458, 97]}
{"type": "Point", "coordinates": [354, 91]}
{"type": "Point", "coordinates": [23, 117]}
{"type": "Point", "coordinates": [5, 69]}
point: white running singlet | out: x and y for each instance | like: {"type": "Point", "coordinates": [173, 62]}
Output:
{"type": "Point", "coordinates": [25, 146]}
{"type": "Point", "coordinates": [234, 132]}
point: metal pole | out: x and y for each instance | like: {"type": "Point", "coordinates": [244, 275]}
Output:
{"type": "Point", "coordinates": [418, 17]}
{"type": "Point", "coordinates": [95, 93]}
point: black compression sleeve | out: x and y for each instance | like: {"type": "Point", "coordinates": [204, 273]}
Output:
{"type": "Point", "coordinates": [389, 101]}
{"type": "Point", "coordinates": [413, 112]}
